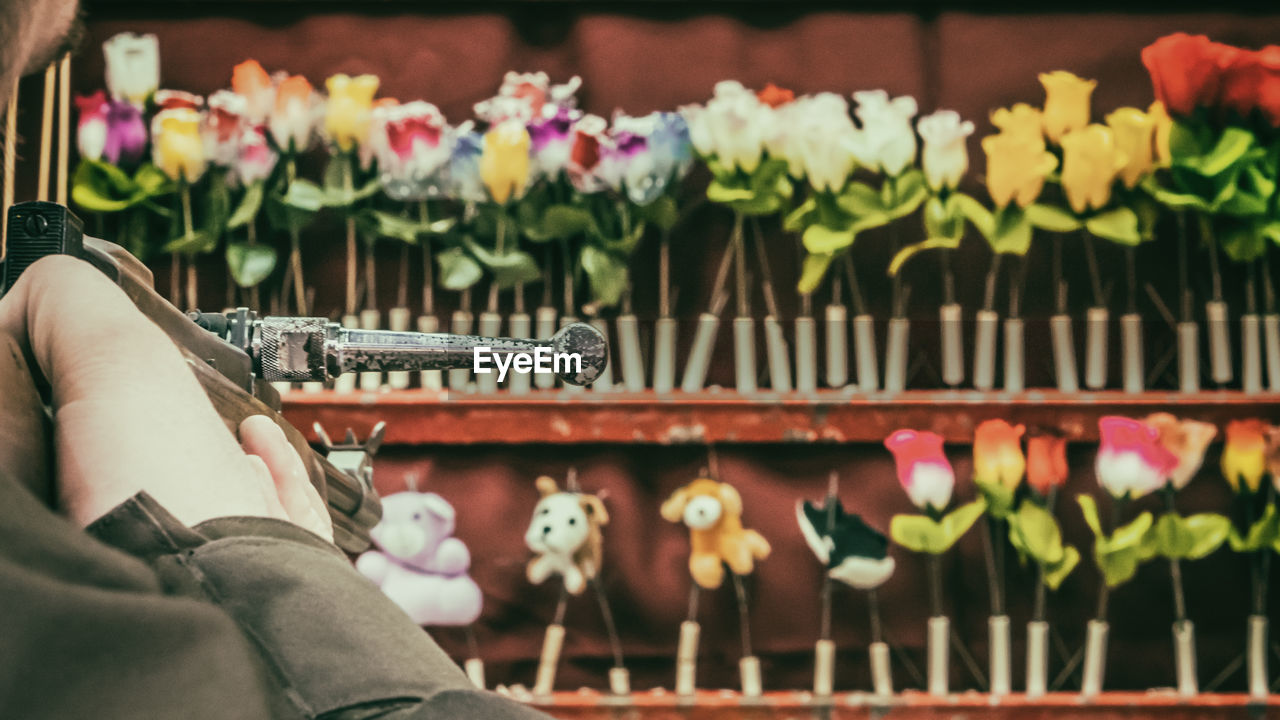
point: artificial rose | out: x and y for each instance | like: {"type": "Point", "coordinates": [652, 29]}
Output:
{"type": "Point", "coordinates": [1090, 162]}
{"type": "Point", "coordinates": [251, 82]}
{"type": "Point", "coordinates": [1021, 120]}
{"type": "Point", "coordinates": [126, 134]}
{"type": "Point", "coordinates": [527, 97]}
{"type": "Point", "coordinates": [1046, 462]}
{"type": "Point", "coordinates": [255, 158]}
{"type": "Point", "coordinates": [647, 154]}
{"type": "Point", "coordinates": [886, 141]}
{"type": "Point", "coordinates": [731, 127]}
{"type": "Point", "coordinates": [1131, 461]}
{"type": "Point", "coordinates": [584, 155]}
{"type": "Point", "coordinates": [133, 67]}
{"type": "Point", "coordinates": [1134, 132]}
{"type": "Point", "coordinates": [774, 96]}
{"type": "Point", "coordinates": [222, 127]}
{"type": "Point", "coordinates": [551, 141]}
{"type": "Point", "coordinates": [1273, 455]}
{"type": "Point", "coordinates": [292, 121]}
{"type": "Point", "coordinates": [1244, 456]}
{"type": "Point", "coordinates": [347, 115]}
{"type": "Point", "coordinates": [504, 162]}
{"type": "Point", "coordinates": [1186, 70]}
{"type": "Point", "coordinates": [176, 146]}
{"type": "Point", "coordinates": [91, 126]}
{"type": "Point", "coordinates": [997, 454]}
{"type": "Point", "coordinates": [923, 469]}
{"type": "Point", "coordinates": [816, 136]}
{"type": "Point", "coordinates": [174, 99]}
{"type": "Point", "coordinates": [1163, 128]}
{"type": "Point", "coordinates": [1187, 440]}
{"type": "Point", "coordinates": [1066, 103]}
{"type": "Point", "coordinates": [1017, 165]}
{"type": "Point", "coordinates": [412, 143]}
{"type": "Point", "coordinates": [945, 157]}
{"type": "Point", "coordinates": [462, 178]}
{"type": "Point", "coordinates": [1251, 81]}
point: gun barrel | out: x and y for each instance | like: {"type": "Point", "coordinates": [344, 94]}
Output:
{"type": "Point", "coordinates": [300, 349]}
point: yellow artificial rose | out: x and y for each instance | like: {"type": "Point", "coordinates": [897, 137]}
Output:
{"type": "Point", "coordinates": [1090, 163]}
{"type": "Point", "coordinates": [1066, 103]}
{"type": "Point", "coordinates": [1163, 126]}
{"type": "Point", "coordinates": [176, 146]}
{"type": "Point", "coordinates": [504, 161]}
{"type": "Point", "coordinates": [1133, 130]}
{"type": "Point", "coordinates": [1021, 119]}
{"type": "Point", "coordinates": [1244, 455]}
{"type": "Point", "coordinates": [346, 117]}
{"type": "Point", "coordinates": [1016, 167]}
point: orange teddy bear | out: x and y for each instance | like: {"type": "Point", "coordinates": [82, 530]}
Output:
{"type": "Point", "coordinates": [713, 513]}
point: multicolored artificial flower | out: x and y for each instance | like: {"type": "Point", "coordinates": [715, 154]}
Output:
{"type": "Point", "coordinates": [997, 454]}
{"type": "Point", "coordinates": [133, 67]}
{"type": "Point", "coordinates": [255, 158]}
{"type": "Point", "coordinates": [1131, 461]}
{"type": "Point", "coordinates": [463, 181]}
{"type": "Point", "coordinates": [923, 469]}
{"type": "Point", "coordinates": [647, 154]}
{"type": "Point", "coordinates": [91, 125]}
{"type": "Point", "coordinates": [176, 145]}
{"type": "Point", "coordinates": [1046, 462]}
{"type": "Point", "coordinates": [250, 81]}
{"type": "Point", "coordinates": [527, 97]}
{"type": "Point", "coordinates": [412, 143]}
{"type": "Point", "coordinates": [294, 115]}
{"type": "Point", "coordinates": [1244, 456]}
{"type": "Point", "coordinates": [222, 127]}
{"type": "Point", "coordinates": [1187, 440]}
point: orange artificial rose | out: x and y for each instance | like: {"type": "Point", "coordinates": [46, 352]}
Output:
{"type": "Point", "coordinates": [1046, 462]}
{"type": "Point", "coordinates": [997, 454]}
{"type": "Point", "coordinates": [1186, 70]}
{"type": "Point", "coordinates": [775, 96]}
{"type": "Point", "coordinates": [1244, 457]}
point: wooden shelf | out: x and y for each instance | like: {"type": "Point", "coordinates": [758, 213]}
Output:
{"type": "Point", "coordinates": [424, 417]}
{"type": "Point", "coordinates": [709, 705]}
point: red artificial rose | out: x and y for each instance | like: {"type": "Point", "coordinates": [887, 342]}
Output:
{"type": "Point", "coordinates": [774, 96]}
{"type": "Point", "coordinates": [585, 153]}
{"type": "Point", "coordinates": [1185, 70]}
{"type": "Point", "coordinates": [1251, 80]}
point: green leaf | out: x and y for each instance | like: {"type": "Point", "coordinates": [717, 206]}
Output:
{"type": "Point", "coordinates": [815, 267]}
{"type": "Point", "coordinates": [1055, 574]}
{"type": "Point", "coordinates": [908, 192]}
{"type": "Point", "coordinates": [391, 225]}
{"type": "Point", "coordinates": [1264, 532]}
{"type": "Point", "coordinates": [1089, 508]}
{"type": "Point", "coordinates": [1131, 534]}
{"type": "Point", "coordinates": [458, 270]}
{"type": "Point", "coordinates": [910, 251]}
{"type": "Point", "coordinates": [304, 195]}
{"type": "Point", "coordinates": [1052, 218]}
{"type": "Point", "coordinates": [561, 222]}
{"type": "Point", "coordinates": [999, 499]}
{"type": "Point", "coordinates": [508, 268]}
{"type": "Point", "coordinates": [661, 213]}
{"type": "Point", "coordinates": [606, 274]}
{"type": "Point", "coordinates": [822, 240]}
{"type": "Point", "coordinates": [1011, 232]}
{"type": "Point", "coordinates": [152, 181]}
{"type": "Point", "coordinates": [918, 534]}
{"type": "Point", "coordinates": [197, 242]}
{"type": "Point", "coordinates": [1241, 241]}
{"type": "Point", "coordinates": [250, 264]}
{"type": "Point", "coordinates": [859, 199]}
{"type": "Point", "coordinates": [248, 208]}
{"type": "Point", "coordinates": [943, 220]}
{"type": "Point", "coordinates": [800, 217]}
{"type": "Point", "coordinates": [978, 215]}
{"type": "Point", "coordinates": [718, 192]}
{"type": "Point", "coordinates": [957, 522]}
{"type": "Point", "coordinates": [1231, 147]}
{"type": "Point", "coordinates": [1119, 225]}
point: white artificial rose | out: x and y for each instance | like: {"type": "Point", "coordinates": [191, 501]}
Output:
{"type": "Point", "coordinates": [886, 140]}
{"type": "Point", "coordinates": [944, 157]}
{"type": "Point", "coordinates": [133, 66]}
{"type": "Point", "coordinates": [732, 126]}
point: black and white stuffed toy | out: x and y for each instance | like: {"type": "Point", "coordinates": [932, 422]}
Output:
{"type": "Point", "coordinates": [855, 553]}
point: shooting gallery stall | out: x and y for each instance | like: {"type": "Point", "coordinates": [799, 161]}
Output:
{"type": "Point", "coordinates": [943, 342]}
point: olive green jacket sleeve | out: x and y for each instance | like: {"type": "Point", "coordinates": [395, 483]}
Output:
{"type": "Point", "coordinates": [236, 618]}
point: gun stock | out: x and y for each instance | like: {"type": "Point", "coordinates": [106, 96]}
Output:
{"type": "Point", "coordinates": [223, 370]}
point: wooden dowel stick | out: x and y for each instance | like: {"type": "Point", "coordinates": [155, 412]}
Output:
{"type": "Point", "coordinates": [64, 126]}
{"type": "Point", "coordinates": [10, 151]}
{"type": "Point", "coordinates": [46, 131]}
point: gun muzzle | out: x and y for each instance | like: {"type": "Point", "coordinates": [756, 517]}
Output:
{"type": "Point", "coordinates": [299, 349]}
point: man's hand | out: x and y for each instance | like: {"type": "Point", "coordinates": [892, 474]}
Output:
{"type": "Point", "coordinates": [130, 416]}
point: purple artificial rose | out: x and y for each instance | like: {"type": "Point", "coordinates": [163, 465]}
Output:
{"type": "Point", "coordinates": [126, 134]}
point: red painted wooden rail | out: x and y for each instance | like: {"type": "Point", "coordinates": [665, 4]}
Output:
{"type": "Point", "coordinates": [423, 417]}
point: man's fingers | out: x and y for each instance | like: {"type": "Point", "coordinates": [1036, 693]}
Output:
{"type": "Point", "coordinates": [262, 438]}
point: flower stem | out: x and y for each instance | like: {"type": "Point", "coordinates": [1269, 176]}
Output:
{"type": "Point", "coordinates": [251, 236]}
{"type": "Point", "coordinates": [855, 292]}
{"type": "Point", "coordinates": [873, 606]}
{"type": "Point", "coordinates": [1175, 565]}
{"type": "Point", "coordinates": [1060, 287]}
{"type": "Point", "coordinates": [1215, 271]}
{"type": "Point", "coordinates": [567, 257]}
{"type": "Point", "coordinates": [740, 267]}
{"type": "Point", "coordinates": [766, 277]}
{"type": "Point", "coordinates": [428, 280]}
{"type": "Point", "coordinates": [993, 275]}
{"type": "Point", "coordinates": [664, 275]}
{"type": "Point", "coordinates": [348, 186]}
{"type": "Point", "coordinates": [994, 558]}
{"type": "Point", "coordinates": [1095, 276]}
{"type": "Point", "coordinates": [188, 229]}
{"type": "Point", "coordinates": [1104, 590]}
{"type": "Point", "coordinates": [1131, 272]}
{"type": "Point", "coordinates": [295, 249]}
{"type": "Point", "coordinates": [499, 250]}
{"type": "Point", "coordinates": [1038, 608]}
